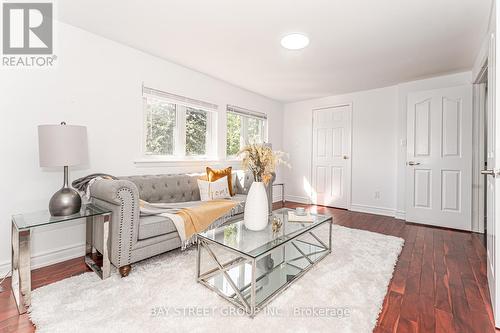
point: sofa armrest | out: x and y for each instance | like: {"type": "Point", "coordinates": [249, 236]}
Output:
{"type": "Point", "coordinates": [122, 198]}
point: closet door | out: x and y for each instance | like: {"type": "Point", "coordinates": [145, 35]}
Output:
{"type": "Point", "coordinates": [331, 163]}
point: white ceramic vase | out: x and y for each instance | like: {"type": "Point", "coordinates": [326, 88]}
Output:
{"type": "Point", "coordinates": [256, 207]}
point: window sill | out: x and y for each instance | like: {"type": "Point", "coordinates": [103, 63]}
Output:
{"type": "Point", "coordinates": [233, 159]}
{"type": "Point", "coordinates": [167, 162]}
{"type": "Point", "coordinates": [146, 162]}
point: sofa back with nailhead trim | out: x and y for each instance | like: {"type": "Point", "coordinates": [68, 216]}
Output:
{"type": "Point", "coordinates": [170, 188]}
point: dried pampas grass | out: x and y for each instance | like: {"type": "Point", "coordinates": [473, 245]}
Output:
{"type": "Point", "coordinates": [262, 161]}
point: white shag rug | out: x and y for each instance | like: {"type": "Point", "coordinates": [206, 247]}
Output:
{"type": "Point", "coordinates": [343, 293]}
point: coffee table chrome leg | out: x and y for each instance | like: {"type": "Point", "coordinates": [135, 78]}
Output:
{"type": "Point", "coordinates": [198, 259]}
{"type": "Point", "coordinates": [319, 240]}
{"type": "Point", "coordinates": [302, 253]}
{"type": "Point", "coordinates": [254, 286]}
{"type": "Point", "coordinates": [228, 277]}
{"type": "Point", "coordinates": [21, 268]}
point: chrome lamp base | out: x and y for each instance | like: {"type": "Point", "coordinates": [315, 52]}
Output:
{"type": "Point", "coordinates": [66, 201]}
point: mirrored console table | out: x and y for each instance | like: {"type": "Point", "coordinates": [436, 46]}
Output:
{"type": "Point", "coordinates": [23, 224]}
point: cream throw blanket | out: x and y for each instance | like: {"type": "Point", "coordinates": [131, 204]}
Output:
{"type": "Point", "coordinates": [193, 217]}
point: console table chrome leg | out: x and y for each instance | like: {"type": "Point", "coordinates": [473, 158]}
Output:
{"type": "Point", "coordinates": [106, 264]}
{"type": "Point", "coordinates": [105, 271]}
{"type": "Point", "coordinates": [330, 237]}
{"type": "Point", "coordinates": [89, 241]}
{"type": "Point", "coordinates": [21, 268]}
{"type": "Point", "coordinates": [283, 200]}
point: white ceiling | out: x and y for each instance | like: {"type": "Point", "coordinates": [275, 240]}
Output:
{"type": "Point", "coordinates": [354, 44]}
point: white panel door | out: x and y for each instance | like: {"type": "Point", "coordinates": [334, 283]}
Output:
{"type": "Point", "coordinates": [492, 182]}
{"type": "Point", "coordinates": [439, 157]}
{"type": "Point", "coordinates": [331, 163]}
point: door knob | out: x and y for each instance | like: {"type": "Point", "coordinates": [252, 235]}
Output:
{"type": "Point", "coordinates": [489, 172]}
{"type": "Point", "coordinates": [412, 163]}
{"type": "Point", "coordinates": [345, 157]}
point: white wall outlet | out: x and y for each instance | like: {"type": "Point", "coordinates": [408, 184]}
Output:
{"type": "Point", "coordinates": [377, 195]}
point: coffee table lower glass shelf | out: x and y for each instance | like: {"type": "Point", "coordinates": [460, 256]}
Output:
{"type": "Point", "coordinates": [249, 269]}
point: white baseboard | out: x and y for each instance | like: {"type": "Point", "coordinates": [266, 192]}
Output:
{"type": "Point", "coordinates": [373, 210]}
{"type": "Point", "coordinates": [356, 208]}
{"type": "Point", "coordinates": [49, 257]}
{"type": "Point", "coordinates": [400, 215]}
{"type": "Point", "coordinates": [299, 199]}
{"type": "Point", "coordinates": [4, 268]}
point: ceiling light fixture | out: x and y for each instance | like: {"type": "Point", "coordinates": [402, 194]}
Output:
{"type": "Point", "coordinates": [295, 41]}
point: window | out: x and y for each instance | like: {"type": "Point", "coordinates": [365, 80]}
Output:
{"type": "Point", "coordinates": [196, 132]}
{"type": "Point", "coordinates": [160, 126]}
{"type": "Point", "coordinates": [244, 127]}
{"type": "Point", "coordinates": [176, 126]}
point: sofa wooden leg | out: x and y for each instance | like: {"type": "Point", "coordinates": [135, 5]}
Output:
{"type": "Point", "coordinates": [125, 270]}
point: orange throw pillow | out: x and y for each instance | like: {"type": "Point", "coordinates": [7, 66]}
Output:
{"type": "Point", "coordinates": [214, 174]}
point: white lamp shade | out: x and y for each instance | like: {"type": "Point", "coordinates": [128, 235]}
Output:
{"type": "Point", "coordinates": [62, 145]}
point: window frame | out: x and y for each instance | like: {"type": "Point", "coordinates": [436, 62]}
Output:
{"type": "Point", "coordinates": [245, 115]}
{"type": "Point", "coordinates": [179, 145]}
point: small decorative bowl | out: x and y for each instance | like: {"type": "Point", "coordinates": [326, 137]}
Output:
{"type": "Point", "coordinates": [301, 211]}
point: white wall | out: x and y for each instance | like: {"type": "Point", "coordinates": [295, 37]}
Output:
{"type": "Point", "coordinates": [378, 134]}
{"type": "Point", "coordinates": [97, 83]}
{"type": "Point", "coordinates": [374, 137]}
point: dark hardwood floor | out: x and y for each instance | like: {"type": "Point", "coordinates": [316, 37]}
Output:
{"type": "Point", "coordinates": [439, 283]}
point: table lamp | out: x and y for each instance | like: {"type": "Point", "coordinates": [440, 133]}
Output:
{"type": "Point", "coordinates": [63, 146]}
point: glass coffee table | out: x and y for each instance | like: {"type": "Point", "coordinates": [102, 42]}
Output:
{"type": "Point", "coordinates": [250, 268]}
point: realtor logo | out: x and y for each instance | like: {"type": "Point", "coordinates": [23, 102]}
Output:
{"type": "Point", "coordinates": [27, 28]}
{"type": "Point", "coordinates": [28, 34]}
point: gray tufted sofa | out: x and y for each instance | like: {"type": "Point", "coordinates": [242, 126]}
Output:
{"type": "Point", "coordinates": [134, 237]}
